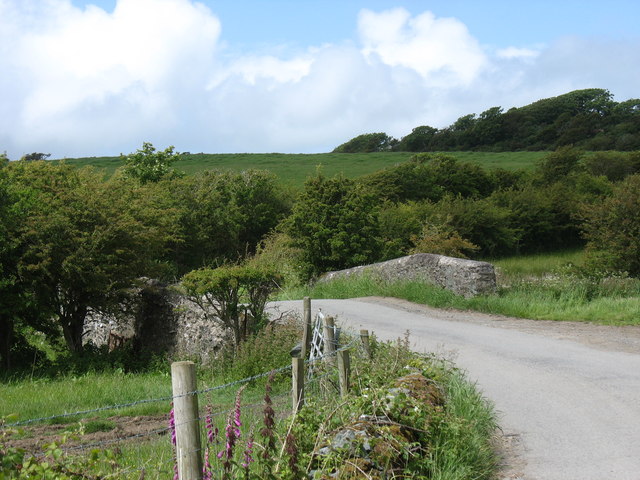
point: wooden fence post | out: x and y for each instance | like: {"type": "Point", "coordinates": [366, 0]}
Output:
{"type": "Point", "coordinates": [308, 329]}
{"type": "Point", "coordinates": [344, 371]}
{"type": "Point", "coordinates": [364, 337]}
{"type": "Point", "coordinates": [329, 340]}
{"type": "Point", "coordinates": [297, 383]}
{"type": "Point", "coordinates": [185, 411]}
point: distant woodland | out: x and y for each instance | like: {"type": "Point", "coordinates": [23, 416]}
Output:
{"type": "Point", "coordinates": [589, 119]}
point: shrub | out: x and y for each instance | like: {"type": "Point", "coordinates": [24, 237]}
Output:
{"type": "Point", "coordinates": [399, 223]}
{"type": "Point", "coordinates": [477, 220]}
{"type": "Point", "coordinates": [335, 224]}
{"type": "Point", "coordinates": [539, 216]}
{"type": "Point", "coordinates": [442, 240]}
{"type": "Point", "coordinates": [614, 165]}
{"type": "Point", "coordinates": [276, 251]}
{"type": "Point", "coordinates": [222, 293]}
{"type": "Point", "coordinates": [408, 181]}
{"type": "Point", "coordinates": [457, 178]}
{"type": "Point", "coordinates": [148, 165]}
{"type": "Point", "coordinates": [428, 176]}
{"type": "Point", "coordinates": [267, 349]}
{"type": "Point", "coordinates": [223, 215]}
{"type": "Point", "coordinates": [559, 164]}
{"type": "Point", "coordinates": [612, 229]}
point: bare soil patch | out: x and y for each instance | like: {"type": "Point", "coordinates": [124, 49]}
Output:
{"type": "Point", "coordinates": [142, 428]}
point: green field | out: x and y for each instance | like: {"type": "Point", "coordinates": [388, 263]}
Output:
{"type": "Point", "coordinates": [294, 168]}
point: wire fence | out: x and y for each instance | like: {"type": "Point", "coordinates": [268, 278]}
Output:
{"type": "Point", "coordinates": [143, 401]}
{"type": "Point", "coordinates": [136, 444]}
{"type": "Point", "coordinates": [167, 398]}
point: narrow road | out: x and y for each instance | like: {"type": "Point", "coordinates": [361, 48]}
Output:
{"type": "Point", "coordinates": [568, 394]}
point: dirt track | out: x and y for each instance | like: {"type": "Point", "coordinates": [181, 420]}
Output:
{"type": "Point", "coordinates": [568, 394]}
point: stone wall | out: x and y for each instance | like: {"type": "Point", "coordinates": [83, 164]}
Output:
{"type": "Point", "coordinates": [464, 277]}
{"type": "Point", "coordinates": [162, 321]}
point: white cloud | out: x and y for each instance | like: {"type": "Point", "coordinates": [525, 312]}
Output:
{"type": "Point", "coordinates": [515, 52]}
{"type": "Point", "coordinates": [87, 69]}
{"type": "Point", "coordinates": [88, 82]}
{"type": "Point", "coordinates": [252, 69]}
{"type": "Point", "coordinates": [440, 49]}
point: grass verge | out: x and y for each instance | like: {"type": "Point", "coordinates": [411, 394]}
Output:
{"type": "Point", "coordinates": [540, 287]}
{"type": "Point", "coordinates": [434, 425]}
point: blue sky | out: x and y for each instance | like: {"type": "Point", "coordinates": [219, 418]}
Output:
{"type": "Point", "coordinates": [99, 77]}
{"type": "Point", "coordinates": [494, 22]}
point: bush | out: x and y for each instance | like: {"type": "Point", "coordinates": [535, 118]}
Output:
{"type": "Point", "coordinates": [442, 240]}
{"type": "Point", "coordinates": [223, 293]}
{"type": "Point", "coordinates": [616, 166]}
{"type": "Point", "coordinates": [559, 164]}
{"type": "Point", "coordinates": [429, 176]}
{"type": "Point", "coordinates": [335, 224]}
{"type": "Point", "coordinates": [399, 223]}
{"type": "Point", "coordinates": [457, 178]}
{"type": "Point", "coordinates": [148, 165]}
{"type": "Point", "coordinates": [267, 349]}
{"type": "Point", "coordinates": [408, 181]}
{"type": "Point", "coordinates": [612, 230]}
{"type": "Point", "coordinates": [276, 251]}
{"type": "Point", "coordinates": [543, 218]}
{"type": "Point", "coordinates": [223, 215]}
{"type": "Point", "coordinates": [480, 222]}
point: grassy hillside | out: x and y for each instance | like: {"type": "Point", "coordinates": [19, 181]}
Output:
{"type": "Point", "coordinates": [293, 169]}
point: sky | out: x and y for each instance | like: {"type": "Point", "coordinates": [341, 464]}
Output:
{"type": "Point", "coordinates": [100, 77]}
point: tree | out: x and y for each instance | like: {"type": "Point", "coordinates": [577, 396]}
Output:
{"type": "Point", "coordinates": [224, 293]}
{"type": "Point", "coordinates": [366, 143]}
{"type": "Point", "coordinates": [335, 224]}
{"type": "Point", "coordinates": [35, 156]}
{"type": "Point", "coordinates": [12, 301]}
{"type": "Point", "coordinates": [19, 309]}
{"type": "Point", "coordinates": [262, 202]}
{"type": "Point", "coordinates": [419, 140]}
{"type": "Point", "coordinates": [614, 165]}
{"type": "Point", "coordinates": [150, 165]}
{"type": "Point", "coordinates": [223, 215]}
{"type": "Point", "coordinates": [86, 240]}
{"type": "Point", "coordinates": [489, 128]}
{"type": "Point", "coordinates": [612, 229]}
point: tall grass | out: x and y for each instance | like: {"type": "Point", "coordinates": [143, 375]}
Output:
{"type": "Point", "coordinates": [536, 265]}
{"type": "Point", "coordinates": [461, 444]}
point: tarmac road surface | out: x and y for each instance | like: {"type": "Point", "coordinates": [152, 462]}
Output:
{"type": "Point", "coordinates": [568, 394]}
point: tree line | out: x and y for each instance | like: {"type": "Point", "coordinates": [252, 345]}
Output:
{"type": "Point", "coordinates": [589, 119]}
{"type": "Point", "coordinates": [74, 242]}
